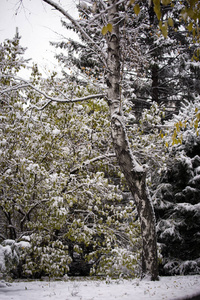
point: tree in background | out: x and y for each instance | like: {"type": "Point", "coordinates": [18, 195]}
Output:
{"type": "Point", "coordinates": [176, 196]}
{"type": "Point", "coordinates": [168, 72]}
{"type": "Point", "coordinates": [171, 151]}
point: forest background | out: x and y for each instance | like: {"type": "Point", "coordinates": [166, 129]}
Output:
{"type": "Point", "coordinates": [66, 207]}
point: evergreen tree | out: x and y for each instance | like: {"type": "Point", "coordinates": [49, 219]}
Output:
{"type": "Point", "coordinates": [176, 197]}
{"type": "Point", "coordinates": [170, 73]}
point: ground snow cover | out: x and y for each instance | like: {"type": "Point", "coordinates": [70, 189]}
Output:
{"type": "Point", "coordinates": [174, 287]}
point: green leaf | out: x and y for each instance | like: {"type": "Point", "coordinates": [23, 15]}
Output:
{"type": "Point", "coordinates": [137, 9]}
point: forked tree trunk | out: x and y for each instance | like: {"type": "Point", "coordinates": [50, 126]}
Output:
{"type": "Point", "coordinates": [134, 173]}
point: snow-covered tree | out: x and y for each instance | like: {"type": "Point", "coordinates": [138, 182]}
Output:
{"type": "Point", "coordinates": [59, 197]}
{"type": "Point", "coordinates": [107, 50]}
{"type": "Point", "coordinates": [176, 195]}
{"type": "Point", "coordinates": [166, 73]}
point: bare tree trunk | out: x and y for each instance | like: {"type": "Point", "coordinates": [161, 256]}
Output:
{"type": "Point", "coordinates": [134, 173]}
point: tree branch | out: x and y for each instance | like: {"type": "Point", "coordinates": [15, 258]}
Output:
{"type": "Point", "coordinates": [89, 161]}
{"type": "Point", "coordinates": [86, 163]}
{"type": "Point", "coordinates": [77, 26]}
{"type": "Point", "coordinates": [51, 99]}
{"type": "Point", "coordinates": [13, 88]}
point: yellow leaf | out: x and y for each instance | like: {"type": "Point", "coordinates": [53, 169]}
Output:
{"type": "Point", "coordinates": [166, 2]}
{"type": "Point", "coordinates": [131, 2]}
{"type": "Point", "coordinates": [177, 127]}
{"type": "Point", "coordinates": [174, 134]}
{"type": "Point", "coordinates": [157, 11]}
{"type": "Point", "coordinates": [163, 28]}
{"type": "Point", "coordinates": [166, 144]}
{"type": "Point", "coordinates": [190, 27]}
{"type": "Point", "coordinates": [109, 27]}
{"type": "Point", "coordinates": [137, 9]}
{"type": "Point", "coordinates": [181, 124]}
{"type": "Point", "coordinates": [198, 116]}
{"type": "Point", "coordinates": [179, 141]}
{"type": "Point", "coordinates": [196, 123]}
{"type": "Point", "coordinates": [104, 30]}
{"type": "Point", "coordinates": [170, 22]}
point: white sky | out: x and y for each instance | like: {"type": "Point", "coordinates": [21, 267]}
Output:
{"type": "Point", "coordinates": [38, 24]}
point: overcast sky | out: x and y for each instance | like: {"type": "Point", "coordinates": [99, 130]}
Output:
{"type": "Point", "coordinates": [38, 24]}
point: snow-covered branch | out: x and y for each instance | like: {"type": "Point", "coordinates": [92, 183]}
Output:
{"type": "Point", "coordinates": [89, 161]}
{"type": "Point", "coordinates": [14, 88]}
{"type": "Point", "coordinates": [91, 20]}
{"type": "Point", "coordinates": [84, 164]}
{"type": "Point", "coordinates": [77, 26]}
{"type": "Point", "coordinates": [52, 99]}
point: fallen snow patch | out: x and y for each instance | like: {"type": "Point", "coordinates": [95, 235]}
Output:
{"type": "Point", "coordinates": [174, 287]}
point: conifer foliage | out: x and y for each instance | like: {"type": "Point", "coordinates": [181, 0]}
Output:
{"type": "Point", "coordinates": [176, 198]}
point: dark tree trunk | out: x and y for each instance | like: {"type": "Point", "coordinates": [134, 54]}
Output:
{"type": "Point", "coordinates": [155, 88]}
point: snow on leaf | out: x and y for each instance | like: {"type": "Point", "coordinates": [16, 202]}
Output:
{"type": "Point", "coordinates": [56, 131]}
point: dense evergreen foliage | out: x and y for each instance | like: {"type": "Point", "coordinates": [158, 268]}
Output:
{"type": "Point", "coordinates": [176, 198]}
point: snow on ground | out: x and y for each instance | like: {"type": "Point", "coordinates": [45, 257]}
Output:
{"type": "Point", "coordinates": [175, 287]}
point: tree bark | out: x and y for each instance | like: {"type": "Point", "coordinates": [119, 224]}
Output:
{"type": "Point", "coordinates": [134, 173]}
